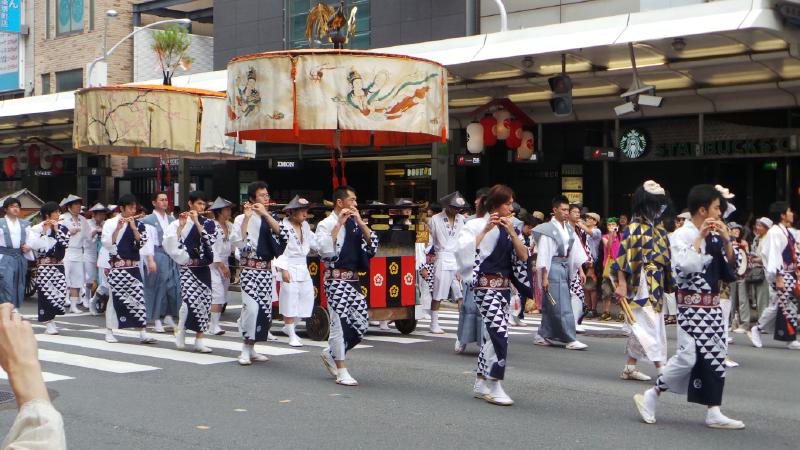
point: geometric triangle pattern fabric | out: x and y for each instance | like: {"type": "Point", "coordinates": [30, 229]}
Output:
{"type": "Point", "coordinates": [707, 328]}
{"type": "Point", "coordinates": [493, 305]}
{"type": "Point", "coordinates": [127, 291]}
{"type": "Point", "coordinates": [694, 282]}
{"type": "Point", "coordinates": [346, 300]}
{"type": "Point", "coordinates": [52, 287]}
{"type": "Point", "coordinates": [786, 327]}
{"type": "Point", "coordinates": [197, 296]}
{"type": "Point", "coordinates": [257, 285]}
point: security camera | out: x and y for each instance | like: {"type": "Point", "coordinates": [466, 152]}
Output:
{"type": "Point", "coordinates": [637, 90]}
{"type": "Point", "coordinates": [650, 100]}
{"type": "Point", "coordinates": [626, 108]}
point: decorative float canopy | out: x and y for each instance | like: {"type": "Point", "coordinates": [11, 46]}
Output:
{"type": "Point", "coordinates": [154, 121]}
{"type": "Point", "coordinates": [337, 98]}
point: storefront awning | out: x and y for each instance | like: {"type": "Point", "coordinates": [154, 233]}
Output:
{"type": "Point", "coordinates": [703, 58]}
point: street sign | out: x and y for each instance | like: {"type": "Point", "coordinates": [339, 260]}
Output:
{"type": "Point", "coordinates": [599, 153]}
{"type": "Point", "coordinates": [468, 160]}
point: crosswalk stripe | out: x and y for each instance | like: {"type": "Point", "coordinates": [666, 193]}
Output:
{"type": "Point", "coordinates": [89, 362]}
{"type": "Point", "coordinates": [137, 350]}
{"type": "Point", "coordinates": [213, 343]}
{"type": "Point", "coordinates": [281, 338]}
{"type": "Point", "coordinates": [396, 340]}
{"type": "Point", "coordinates": [48, 377]}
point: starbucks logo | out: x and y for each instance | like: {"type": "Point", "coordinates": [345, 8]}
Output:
{"type": "Point", "coordinates": [633, 143]}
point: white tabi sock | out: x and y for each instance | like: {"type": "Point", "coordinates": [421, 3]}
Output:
{"type": "Point", "coordinates": [142, 334]}
{"type": "Point", "coordinates": [87, 296]}
{"type": "Point", "coordinates": [168, 321]}
{"type": "Point", "coordinates": [73, 304]}
{"type": "Point", "coordinates": [630, 368]}
{"type": "Point", "coordinates": [215, 321]}
{"type": "Point", "coordinates": [246, 350]}
{"type": "Point", "coordinates": [434, 318]}
{"type": "Point", "coordinates": [183, 314]}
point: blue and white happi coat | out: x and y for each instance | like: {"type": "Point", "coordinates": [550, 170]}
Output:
{"type": "Point", "coordinates": [125, 276]}
{"type": "Point", "coordinates": [51, 284]}
{"type": "Point", "coordinates": [347, 306]}
{"type": "Point", "coordinates": [493, 270]}
{"type": "Point", "coordinates": [258, 247]}
{"type": "Point", "coordinates": [698, 368]}
{"type": "Point", "coordinates": [193, 251]}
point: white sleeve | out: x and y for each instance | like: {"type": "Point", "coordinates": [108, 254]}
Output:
{"type": "Point", "coordinates": [38, 242]}
{"type": "Point", "coordinates": [546, 249]}
{"type": "Point", "coordinates": [577, 256]}
{"type": "Point", "coordinates": [236, 237]}
{"type": "Point", "coordinates": [466, 250]}
{"type": "Point", "coordinates": [217, 248]}
{"type": "Point", "coordinates": [772, 252]}
{"type": "Point", "coordinates": [108, 234]}
{"type": "Point", "coordinates": [148, 249]}
{"type": "Point", "coordinates": [684, 257]}
{"type": "Point", "coordinates": [173, 245]}
{"type": "Point", "coordinates": [38, 426]}
{"type": "Point", "coordinates": [327, 249]}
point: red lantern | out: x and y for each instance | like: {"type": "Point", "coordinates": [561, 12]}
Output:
{"type": "Point", "coordinates": [514, 138]}
{"type": "Point", "coordinates": [33, 155]}
{"type": "Point", "coordinates": [10, 166]}
{"type": "Point", "coordinates": [58, 165]}
{"type": "Point", "coordinates": [489, 129]}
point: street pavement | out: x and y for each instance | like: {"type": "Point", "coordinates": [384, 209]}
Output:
{"type": "Point", "coordinates": [414, 392]}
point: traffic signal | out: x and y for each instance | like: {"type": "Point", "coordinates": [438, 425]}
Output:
{"type": "Point", "coordinates": [561, 102]}
{"type": "Point", "coordinates": [599, 153]}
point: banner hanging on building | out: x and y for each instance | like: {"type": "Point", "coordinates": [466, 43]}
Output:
{"type": "Point", "coordinates": [9, 62]}
{"type": "Point", "coordinates": [10, 16]}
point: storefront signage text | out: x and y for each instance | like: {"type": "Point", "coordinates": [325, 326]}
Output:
{"type": "Point", "coordinates": [725, 148]}
{"type": "Point", "coordinates": [462, 160]}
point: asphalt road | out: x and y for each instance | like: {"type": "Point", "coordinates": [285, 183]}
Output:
{"type": "Point", "coordinates": [413, 394]}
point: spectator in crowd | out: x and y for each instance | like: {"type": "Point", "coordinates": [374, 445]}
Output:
{"type": "Point", "coordinates": [610, 247]}
{"type": "Point", "coordinates": [38, 425]}
{"type": "Point", "coordinates": [757, 278]}
{"type": "Point", "coordinates": [593, 237]}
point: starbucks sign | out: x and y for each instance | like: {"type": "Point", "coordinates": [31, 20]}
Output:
{"type": "Point", "coordinates": [633, 143]}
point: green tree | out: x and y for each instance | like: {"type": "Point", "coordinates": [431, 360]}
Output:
{"type": "Point", "coordinates": [172, 46]}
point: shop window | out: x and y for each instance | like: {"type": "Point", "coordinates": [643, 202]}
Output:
{"type": "Point", "coordinates": [69, 16]}
{"type": "Point", "coordinates": [45, 83]}
{"type": "Point", "coordinates": [298, 13]}
{"type": "Point", "coordinates": [69, 80]}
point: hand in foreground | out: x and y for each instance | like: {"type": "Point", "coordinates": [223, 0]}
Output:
{"type": "Point", "coordinates": [19, 356]}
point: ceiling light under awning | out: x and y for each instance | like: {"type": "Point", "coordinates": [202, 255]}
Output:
{"type": "Point", "coordinates": [497, 74]}
{"type": "Point", "coordinates": [472, 101]}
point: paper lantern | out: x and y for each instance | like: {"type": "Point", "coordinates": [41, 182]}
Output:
{"type": "Point", "coordinates": [34, 155]}
{"type": "Point", "coordinates": [22, 159]}
{"type": "Point", "coordinates": [58, 165]}
{"type": "Point", "coordinates": [474, 137]}
{"type": "Point", "coordinates": [503, 118]}
{"type": "Point", "coordinates": [10, 166]}
{"type": "Point", "coordinates": [489, 124]}
{"type": "Point", "coordinates": [46, 160]}
{"type": "Point", "coordinates": [525, 150]}
{"type": "Point", "coordinates": [514, 139]}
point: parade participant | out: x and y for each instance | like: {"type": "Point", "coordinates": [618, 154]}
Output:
{"type": "Point", "coordinates": [444, 228]}
{"type": "Point", "coordinates": [470, 323]}
{"type": "Point", "coordinates": [297, 288]}
{"type": "Point", "coordinates": [79, 231]}
{"type": "Point", "coordinates": [49, 241]}
{"type": "Point", "coordinates": [611, 242]}
{"type": "Point", "coordinates": [15, 253]}
{"type": "Point", "coordinates": [559, 262]}
{"type": "Point", "coordinates": [346, 245]}
{"type": "Point", "coordinates": [491, 257]}
{"type": "Point", "coordinates": [220, 272]}
{"type": "Point", "coordinates": [702, 256]}
{"type": "Point", "coordinates": [123, 237]}
{"type": "Point", "coordinates": [161, 279]}
{"type": "Point", "coordinates": [593, 238]}
{"type": "Point", "coordinates": [190, 242]}
{"type": "Point", "coordinates": [101, 294]}
{"type": "Point", "coordinates": [780, 254]}
{"type": "Point", "coordinates": [90, 249]}
{"type": "Point", "coordinates": [577, 288]}
{"type": "Point", "coordinates": [757, 277]}
{"type": "Point", "coordinates": [643, 272]}
{"type": "Point", "coordinates": [256, 234]}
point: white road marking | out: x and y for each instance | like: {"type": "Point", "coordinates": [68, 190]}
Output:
{"type": "Point", "coordinates": [90, 362]}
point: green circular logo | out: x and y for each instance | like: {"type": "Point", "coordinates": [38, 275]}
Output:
{"type": "Point", "coordinates": [633, 143]}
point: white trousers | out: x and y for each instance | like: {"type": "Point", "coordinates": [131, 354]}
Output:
{"type": "Point", "coordinates": [297, 298]}
{"type": "Point", "coordinates": [445, 283]}
{"type": "Point", "coordinates": [219, 286]}
{"type": "Point", "coordinates": [73, 270]}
